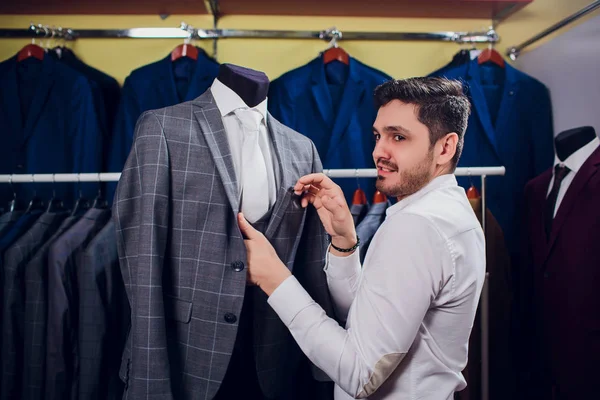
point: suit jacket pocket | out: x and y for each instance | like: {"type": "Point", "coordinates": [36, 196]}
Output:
{"type": "Point", "coordinates": [178, 309]}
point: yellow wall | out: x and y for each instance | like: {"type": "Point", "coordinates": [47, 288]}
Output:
{"type": "Point", "coordinates": [118, 57]}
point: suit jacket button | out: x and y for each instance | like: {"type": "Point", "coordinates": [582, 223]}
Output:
{"type": "Point", "coordinates": [237, 266]}
{"type": "Point", "coordinates": [230, 318]}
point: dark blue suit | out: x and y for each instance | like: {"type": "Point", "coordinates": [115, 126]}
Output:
{"type": "Point", "coordinates": [49, 125]}
{"type": "Point", "coordinates": [332, 105]}
{"type": "Point", "coordinates": [510, 125]}
{"type": "Point", "coordinates": [160, 84]}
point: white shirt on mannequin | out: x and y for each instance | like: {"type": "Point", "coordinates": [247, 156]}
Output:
{"type": "Point", "coordinates": [574, 163]}
{"type": "Point", "coordinates": [228, 101]}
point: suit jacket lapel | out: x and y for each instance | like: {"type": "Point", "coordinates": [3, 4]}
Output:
{"type": "Point", "coordinates": [588, 169]}
{"type": "Point", "coordinates": [480, 104]}
{"type": "Point", "coordinates": [353, 92]}
{"type": "Point", "coordinates": [285, 184]}
{"type": "Point", "coordinates": [538, 238]}
{"type": "Point", "coordinates": [167, 90]}
{"type": "Point", "coordinates": [321, 93]}
{"type": "Point", "coordinates": [41, 94]}
{"type": "Point", "coordinates": [11, 104]}
{"type": "Point", "coordinates": [211, 124]}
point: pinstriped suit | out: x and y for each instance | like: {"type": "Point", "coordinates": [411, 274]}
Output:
{"type": "Point", "coordinates": [182, 255]}
{"type": "Point", "coordinates": [15, 260]}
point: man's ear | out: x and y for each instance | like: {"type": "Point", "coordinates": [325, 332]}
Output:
{"type": "Point", "coordinates": [447, 148]}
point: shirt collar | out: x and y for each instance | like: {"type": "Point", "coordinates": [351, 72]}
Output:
{"type": "Point", "coordinates": [441, 181]}
{"type": "Point", "coordinates": [576, 160]}
{"type": "Point", "coordinates": [227, 100]}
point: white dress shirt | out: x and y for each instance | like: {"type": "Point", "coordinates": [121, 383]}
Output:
{"type": "Point", "coordinates": [228, 101]}
{"type": "Point", "coordinates": [410, 309]}
{"type": "Point", "coordinates": [574, 163]}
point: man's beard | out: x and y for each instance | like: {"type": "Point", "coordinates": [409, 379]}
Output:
{"type": "Point", "coordinates": [410, 180]}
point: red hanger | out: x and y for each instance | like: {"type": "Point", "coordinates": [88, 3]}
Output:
{"type": "Point", "coordinates": [472, 193]}
{"type": "Point", "coordinates": [184, 50]}
{"type": "Point", "coordinates": [336, 53]}
{"type": "Point", "coordinates": [379, 197]}
{"type": "Point", "coordinates": [31, 50]}
{"type": "Point", "coordinates": [492, 56]}
{"type": "Point", "coordinates": [360, 197]}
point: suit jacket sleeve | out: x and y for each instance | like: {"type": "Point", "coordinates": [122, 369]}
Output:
{"type": "Point", "coordinates": [121, 139]}
{"type": "Point", "coordinates": [87, 137]}
{"type": "Point", "coordinates": [141, 214]}
{"type": "Point", "coordinates": [543, 132]}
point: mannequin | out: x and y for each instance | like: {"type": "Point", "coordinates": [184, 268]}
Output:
{"type": "Point", "coordinates": [569, 141]}
{"type": "Point", "coordinates": [252, 86]}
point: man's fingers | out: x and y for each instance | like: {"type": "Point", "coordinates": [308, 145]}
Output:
{"type": "Point", "coordinates": [319, 180]}
{"type": "Point", "coordinates": [247, 230]}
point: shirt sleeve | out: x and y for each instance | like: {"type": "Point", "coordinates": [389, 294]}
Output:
{"type": "Point", "coordinates": [343, 275]}
{"type": "Point", "coordinates": [400, 280]}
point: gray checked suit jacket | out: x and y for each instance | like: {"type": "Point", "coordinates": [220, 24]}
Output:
{"type": "Point", "coordinates": [183, 257]}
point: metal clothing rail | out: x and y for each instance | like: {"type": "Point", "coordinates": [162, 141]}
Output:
{"type": "Point", "coordinates": [482, 172]}
{"type": "Point", "coordinates": [187, 32]}
{"type": "Point", "coordinates": [515, 51]}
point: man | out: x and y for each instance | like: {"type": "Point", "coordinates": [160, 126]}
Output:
{"type": "Point", "coordinates": [409, 310]}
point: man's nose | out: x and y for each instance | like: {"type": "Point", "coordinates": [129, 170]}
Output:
{"type": "Point", "coordinates": [380, 151]}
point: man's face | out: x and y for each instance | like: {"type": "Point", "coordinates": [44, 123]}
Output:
{"type": "Point", "coordinates": [403, 155]}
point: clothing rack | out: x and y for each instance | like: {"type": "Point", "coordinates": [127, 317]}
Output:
{"type": "Point", "coordinates": [515, 51]}
{"type": "Point", "coordinates": [482, 172]}
{"type": "Point", "coordinates": [186, 31]}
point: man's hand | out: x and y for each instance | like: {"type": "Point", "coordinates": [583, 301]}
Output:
{"type": "Point", "coordinates": [328, 198]}
{"type": "Point", "coordinates": [265, 269]}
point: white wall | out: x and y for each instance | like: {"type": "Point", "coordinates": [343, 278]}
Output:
{"type": "Point", "coordinates": [570, 66]}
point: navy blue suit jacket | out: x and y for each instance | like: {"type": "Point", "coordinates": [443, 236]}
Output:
{"type": "Point", "coordinates": [521, 139]}
{"type": "Point", "coordinates": [335, 109]}
{"type": "Point", "coordinates": [60, 133]}
{"type": "Point", "coordinates": [160, 84]}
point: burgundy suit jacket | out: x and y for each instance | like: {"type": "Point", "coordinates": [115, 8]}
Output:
{"type": "Point", "coordinates": [562, 285]}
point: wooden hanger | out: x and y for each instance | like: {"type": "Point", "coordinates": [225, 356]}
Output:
{"type": "Point", "coordinates": [31, 50]}
{"type": "Point", "coordinates": [491, 55]}
{"type": "Point", "coordinates": [472, 193]}
{"type": "Point", "coordinates": [333, 52]}
{"type": "Point", "coordinates": [379, 197]}
{"type": "Point", "coordinates": [184, 50]}
{"type": "Point", "coordinates": [360, 197]}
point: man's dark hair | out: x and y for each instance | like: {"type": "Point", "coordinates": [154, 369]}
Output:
{"type": "Point", "coordinates": [441, 105]}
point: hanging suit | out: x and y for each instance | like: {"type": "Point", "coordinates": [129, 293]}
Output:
{"type": "Point", "coordinates": [333, 106]}
{"type": "Point", "coordinates": [49, 126]}
{"type": "Point", "coordinates": [510, 125]}
{"type": "Point", "coordinates": [160, 84]}
{"type": "Point", "coordinates": [106, 90]}
{"type": "Point", "coordinates": [103, 318]}
{"type": "Point", "coordinates": [62, 351]}
{"type": "Point", "coordinates": [36, 311]}
{"type": "Point", "coordinates": [369, 225]}
{"type": "Point", "coordinates": [13, 316]}
{"type": "Point", "coordinates": [180, 247]}
{"type": "Point", "coordinates": [559, 294]}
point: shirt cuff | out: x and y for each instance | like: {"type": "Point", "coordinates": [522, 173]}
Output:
{"type": "Point", "coordinates": [342, 267]}
{"type": "Point", "coordinates": [289, 299]}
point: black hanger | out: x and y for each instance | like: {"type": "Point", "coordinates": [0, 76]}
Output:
{"type": "Point", "coordinates": [82, 204]}
{"type": "Point", "coordinates": [14, 204]}
{"type": "Point", "coordinates": [55, 204]}
{"type": "Point", "coordinates": [36, 203]}
{"type": "Point", "coordinates": [100, 201]}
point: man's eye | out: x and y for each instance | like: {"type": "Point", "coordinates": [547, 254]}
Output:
{"type": "Point", "coordinates": [398, 138]}
{"type": "Point", "coordinates": [376, 136]}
